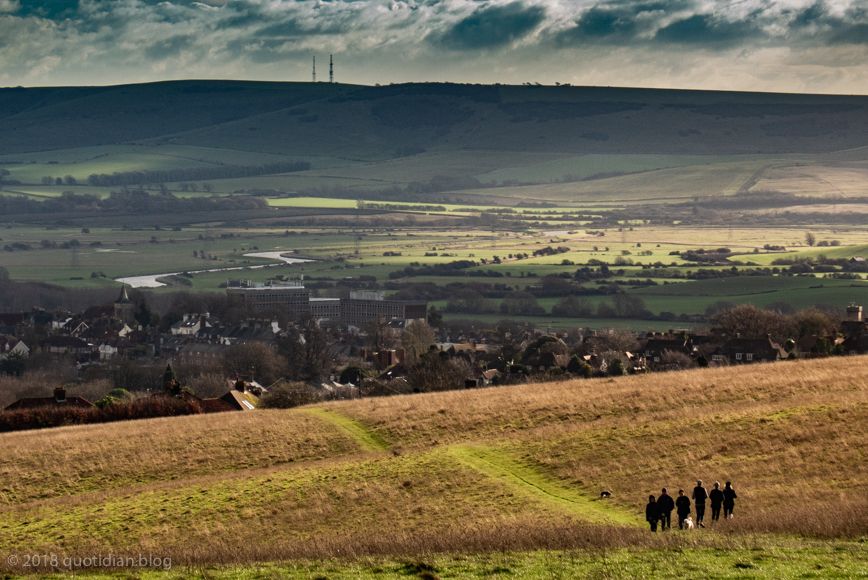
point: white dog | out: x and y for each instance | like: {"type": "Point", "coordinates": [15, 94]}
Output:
{"type": "Point", "coordinates": [688, 523]}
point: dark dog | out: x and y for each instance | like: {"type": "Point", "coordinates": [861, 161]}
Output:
{"type": "Point", "coordinates": [605, 494]}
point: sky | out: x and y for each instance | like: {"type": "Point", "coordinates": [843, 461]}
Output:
{"type": "Point", "coordinates": [758, 45]}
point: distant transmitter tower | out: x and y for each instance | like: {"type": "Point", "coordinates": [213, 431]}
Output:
{"type": "Point", "coordinates": [314, 69]}
{"type": "Point", "coordinates": [331, 70]}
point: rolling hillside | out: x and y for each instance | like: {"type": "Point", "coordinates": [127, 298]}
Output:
{"type": "Point", "coordinates": [378, 122]}
{"type": "Point", "coordinates": [558, 144]}
{"type": "Point", "coordinates": [515, 467]}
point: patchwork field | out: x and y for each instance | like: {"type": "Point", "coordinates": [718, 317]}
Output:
{"type": "Point", "coordinates": [459, 480]}
{"type": "Point", "coordinates": [211, 253]}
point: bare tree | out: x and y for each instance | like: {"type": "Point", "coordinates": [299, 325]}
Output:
{"type": "Point", "coordinates": [752, 322]}
{"type": "Point", "coordinates": [507, 334]}
{"type": "Point", "coordinates": [417, 337]}
{"type": "Point", "coordinates": [435, 371]}
{"type": "Point", "coordinates": [810, 238]}
{"type": "Point", "coordinates": [628, 306]}
{"type": "Point", "coordinates": [573, 307]}
{"type": "Point", "coordinates": [813, 321]}
{"type": "Point", "coordinates": [256, 360]}
{"type": "Point", "coordinates": [308, 353]}
{"type": "Point", "coordinates": [380, 335]}
{"type": "Point", "coordinates": [618, 341]}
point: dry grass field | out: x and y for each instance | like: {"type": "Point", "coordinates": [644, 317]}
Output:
{"type": "Point", "coordinates": [68, 461]}
{"type": "Point", "coordinates": [511, 468]}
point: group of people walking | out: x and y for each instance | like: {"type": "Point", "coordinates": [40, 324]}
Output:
{"type": "Point", "coordinates": [659, 510]}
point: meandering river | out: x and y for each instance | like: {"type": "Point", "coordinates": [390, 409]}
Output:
{"type": "Point", "coordinates": [150, 280]}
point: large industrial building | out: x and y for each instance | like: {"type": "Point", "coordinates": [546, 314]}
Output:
{"type": "Point", "coordinates": [364, 306]}
{"type": "Point", "coordinates": [357, 310]}
{"type": "Point", "coordinates": [292, 297]}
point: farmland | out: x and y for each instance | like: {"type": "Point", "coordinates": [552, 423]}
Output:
{"type": "Point", "coordinates": [505, 470]}
{"type": "Point", "coordinates": [556, 207]}
{"type": "Point", "coordinates": [105, 254]}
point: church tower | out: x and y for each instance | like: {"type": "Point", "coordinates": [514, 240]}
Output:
{"type": "Point", "coordinates": [125, 310]}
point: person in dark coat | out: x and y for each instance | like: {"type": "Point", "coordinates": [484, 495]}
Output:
{"type": "Point", "coordinates": [716, 498]}
{"type": "Point", "coordinates": [729, 498]}
{"type": "Point", "coordinates": [652, 513]}
{"type": "Point", "coordinates": [699, 497]}
{"type": "Point", "coordinates": [665, 505]}
{"type": "Point", "coordinates": [682, 505]}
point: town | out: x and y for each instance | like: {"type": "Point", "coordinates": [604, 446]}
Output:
{"type": "Point", "coordinates": [288, 348]}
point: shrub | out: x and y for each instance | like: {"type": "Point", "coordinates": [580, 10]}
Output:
{"type": "Point", "coordinates": [616, 368]}
{"type": "Point", "coordinates": [289, 395]}
{"type": "Point", "coordinates": [51, 416]}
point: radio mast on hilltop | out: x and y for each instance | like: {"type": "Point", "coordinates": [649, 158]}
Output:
{"type": "Point", "coordinates": [314, 68]}
{"type": "Point", "coordinates": [331, 70]}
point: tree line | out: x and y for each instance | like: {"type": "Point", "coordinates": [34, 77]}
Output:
{"type": "Point", "coordinates": [131, 201]}
{"type": "Point", "coordinates": [194, 173]}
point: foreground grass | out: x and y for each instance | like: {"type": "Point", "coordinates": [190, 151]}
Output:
{"type": "Point", "coordinates": [480, 471]}
{"type": "Point", "coordinates": [98, 458]}
{"type": "Point", "coordinates": [835, 560]}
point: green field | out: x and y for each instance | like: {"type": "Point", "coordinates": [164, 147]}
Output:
{"type": "Point", "coordinates": [586, 166]}
{"type": "Point", "coordinates": [106, 254]}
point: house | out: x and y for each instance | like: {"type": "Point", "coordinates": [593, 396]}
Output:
{"type": "Point", "coordinates": [485, 377]}
{"type": "Point", "coordinates": [191, 324]}
{"type": "Point", "coordinates": [13, 347]}
{"type": "Point", "coordinates": [384, 358]}
{"type": "Point", "coordinates": [546, 361]}
{"type": "Point", "coordinates": [240, 399]}
{"type": "Point", "coordinates": [656, 346]}
{"type": "Point", "coordinates": [740, 350]}
{"type": "Point", "coordinates": [398, 371]}
{"type": "Point", "coordinates": [59, 399]}
{"type": "Point", "coordinates": [207, 355]}
{"type": "Point", "coordinates": [856, 344]}
{"type": "Point", "coordinates": [215, 406]}
{"type": "Point", "coordinates": [807, 345]}
{"type": "Point", "coordinates": [80, 349]}
{"type": "Point", "coordinates": [249, 386]}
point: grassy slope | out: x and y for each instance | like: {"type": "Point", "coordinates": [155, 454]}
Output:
{"type": "Point", "coordinates": [463, 462]}
{"type": "Point", "coordinates": [527, 128]}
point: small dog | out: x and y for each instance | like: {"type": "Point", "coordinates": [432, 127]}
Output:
{"type": "Point", "coordinates": [605, 494]}
{"type": "Point", "coordinates": [688, 523]}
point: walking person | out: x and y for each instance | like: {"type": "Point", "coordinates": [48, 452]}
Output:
{"type": "Point", "coordinates": [699, 496]}
{"type": "Point", "coordinates": [682, 505]}
{"type": "Point", "coordinates": [652, 514]}
{"type": "Point", "coordinates": [716, 498]}
{"type": "Point", "coordinates": [665, 505]}
{"type": "Point", "coordinates": [729, 498]}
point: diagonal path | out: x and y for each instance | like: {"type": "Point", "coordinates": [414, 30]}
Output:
{"type": "Point", "coordinates": [368, 440]}
{"type": "Point", "coordinates": [499, 465]}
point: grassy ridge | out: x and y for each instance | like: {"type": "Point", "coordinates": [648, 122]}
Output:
{"type": "Point", "coordinates": [691, 142]}
{"type": "Point", "coordinates": [523, 460]}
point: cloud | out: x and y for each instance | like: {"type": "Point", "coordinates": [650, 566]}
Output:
{"type": "Point", "coordinates": [749, 44]}
{"type": "Point", "coordinates": [49, 8]}
{"type": "Point", "coordinates": [602, 22]}
{"type": "Point", "coordinates": [169, 47]}
{"type": "Point", "coordinates": [708, 30]}
{"type": "Point", "coordinates": [493, 26]}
